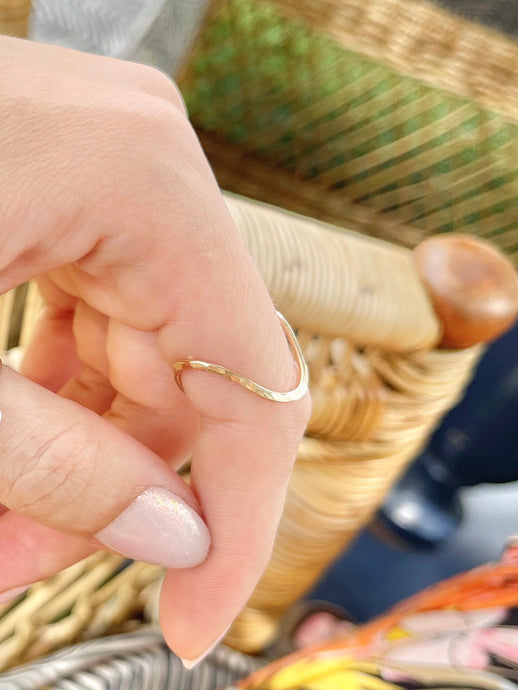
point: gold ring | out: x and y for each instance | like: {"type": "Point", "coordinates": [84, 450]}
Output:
{"type": "Point", "coordinates": [288, 396]}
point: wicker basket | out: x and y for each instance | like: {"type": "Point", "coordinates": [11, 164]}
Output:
{"type": "Point", "coordinates": [378, 384]}
{"type": "Point", "coordinates": [378, 381]}
{"type": "Point", "coordinates": [388, 116]}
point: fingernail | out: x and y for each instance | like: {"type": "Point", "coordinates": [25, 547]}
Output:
{"type": "Point", "coordinates": [12, 594]}
{"type": "Point", "coordinates": [191, 663]}
{"type": "Point", "coordinates": [158, 528]}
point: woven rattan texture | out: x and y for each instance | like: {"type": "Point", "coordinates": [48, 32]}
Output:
{"type": "Point", "coordinates": [349, 111]}
{"type": "Point", "coordinates": [337, 485]}
{"type": "Point", "coordinates": [98, 596]}
{"type": "Point", "coordinates": [14, 17]}
{"type": "Point", "coordinates": [378, 386]}
{"type": "Point", "coordinates": [406, 119]}
{"type": "Point", "coordinates": [333, 284]}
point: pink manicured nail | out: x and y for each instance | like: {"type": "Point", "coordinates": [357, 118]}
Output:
{"type": "Point", "coordinates": [11, 594]}
{"type": "Point", "coordinates": [159, 528]}
{"type": "Point", "coordinates": [191, 663]}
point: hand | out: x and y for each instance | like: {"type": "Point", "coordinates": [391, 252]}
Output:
{"type": "Point", "coordinates": [108, 199]}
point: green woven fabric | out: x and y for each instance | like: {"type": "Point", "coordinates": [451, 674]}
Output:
{"type": "Point", "coordinates": [420, 155]}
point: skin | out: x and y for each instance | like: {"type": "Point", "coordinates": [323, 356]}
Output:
{"type": "Point", "coordinates": [107, 198]}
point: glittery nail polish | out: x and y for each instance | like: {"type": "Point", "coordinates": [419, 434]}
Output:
{"type": "Point", "coordinates": [159, 528]}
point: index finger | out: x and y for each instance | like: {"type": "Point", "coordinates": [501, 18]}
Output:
{"type": "Point", "coordinates": [190, 279]}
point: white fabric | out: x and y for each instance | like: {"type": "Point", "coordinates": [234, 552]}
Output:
{"type": "Point", "coordinates": [155, 32]}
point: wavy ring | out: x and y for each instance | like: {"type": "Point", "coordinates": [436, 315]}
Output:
{"type": "Point", "coordinates": [276, 396]}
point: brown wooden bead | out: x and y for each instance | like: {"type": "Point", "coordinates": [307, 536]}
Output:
{"type": "Point", "coordinates": [473, 288]}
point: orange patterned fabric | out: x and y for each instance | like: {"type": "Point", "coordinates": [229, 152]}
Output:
{"type": "Point", "coordinates": [462, 633]}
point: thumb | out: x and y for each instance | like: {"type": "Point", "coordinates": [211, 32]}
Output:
{"type": "Point", "coordinates": [69, 469]}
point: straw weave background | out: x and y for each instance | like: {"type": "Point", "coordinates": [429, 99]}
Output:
{"type": "Point", "coordinates": [388, 116]}
{"type": "Point", "coordinates": [363, 113]}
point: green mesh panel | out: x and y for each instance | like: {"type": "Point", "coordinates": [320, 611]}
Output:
{"type": "Point", "coordinates": [420, 155]}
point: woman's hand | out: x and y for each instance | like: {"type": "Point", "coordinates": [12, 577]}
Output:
{"type": "Point", "coordinates": [108, 199]}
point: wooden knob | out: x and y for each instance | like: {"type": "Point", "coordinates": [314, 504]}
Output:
{"type": "Point", "coordinates": [473, 288]}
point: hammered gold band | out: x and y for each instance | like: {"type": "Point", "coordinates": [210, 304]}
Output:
{"type": "Point", "coordinates": [288, 396]}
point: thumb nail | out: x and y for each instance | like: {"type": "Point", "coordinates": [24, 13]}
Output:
{"type": "Point", "coordinates": [158, 528]}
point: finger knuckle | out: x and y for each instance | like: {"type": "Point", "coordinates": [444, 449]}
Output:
{"type": "Point", "coordinates": [160, 84]}
{"type": "Point", "coordinates": [52, 477]}
{"type": "Point", "coordinates": [154, 129]}
{"type": "Point", "coordinates": [148, 134]}
{"type": "Point", "coordinates": [166, 122]}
